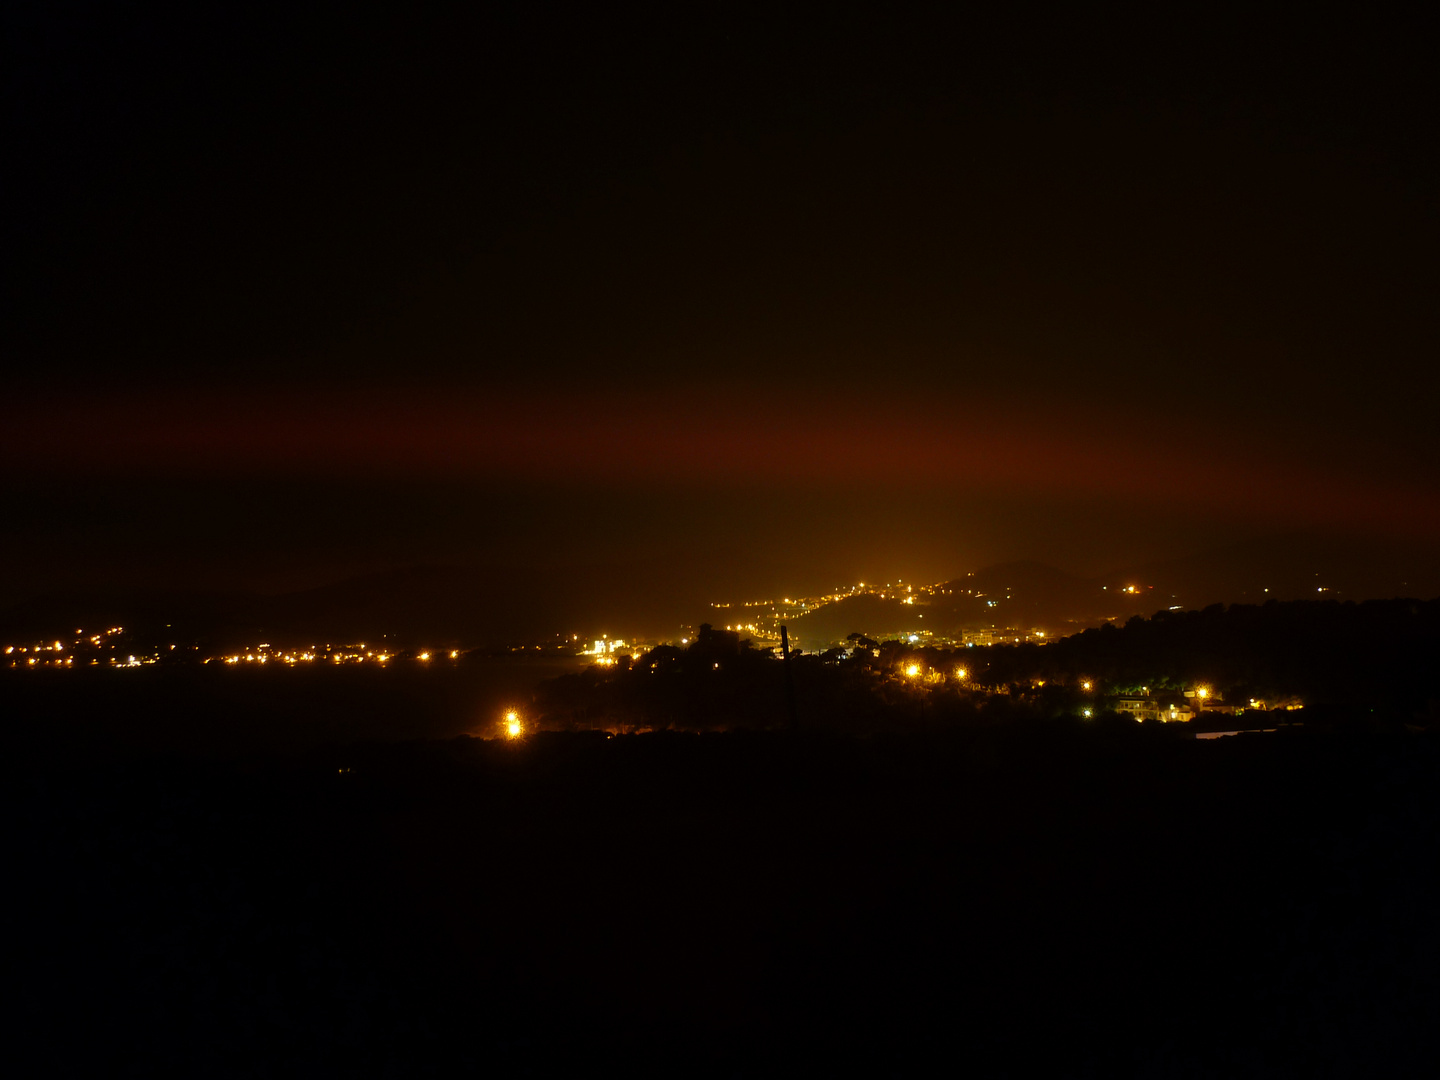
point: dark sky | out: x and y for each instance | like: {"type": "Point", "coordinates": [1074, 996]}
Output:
{"type": "Point", "coordinates": [752, 294]}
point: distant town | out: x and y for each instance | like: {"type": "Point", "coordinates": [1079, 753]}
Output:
{"type": "Point", "coordinates": [918, 663]}
{"type": "Point", "coordinates": [758, 620]}
{"type": "Point", "coordinates": [762, 619]}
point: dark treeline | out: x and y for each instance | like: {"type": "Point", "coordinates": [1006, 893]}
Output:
{"type": "Point", "coordinates": [1379, 654]}
{"type": "Point", "coordinates": [1375, 659]}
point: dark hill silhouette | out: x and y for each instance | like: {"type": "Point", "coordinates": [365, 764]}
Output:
{"type": "Point", "coordinates": [190, 613]}
{"type": "Point", "coordinates": [1022, 576]}
{"type": "Point", "coordinates": [484, 605]}
{"type": "Point", "coordinates": [477, 605]}
{"type": "Point", "coordinates": [869, 614]}
{"type": "Point", "coordinates": [1375, 656]}
{"type": "Point", "coordinates": [1019, 594]}
{"type": "Point", "coordinates": [1291, 566]}
{"type": "Point", "coordinates": [1026, 595]}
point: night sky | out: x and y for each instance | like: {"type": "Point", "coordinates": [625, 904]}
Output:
{"type": "Point", "coordinates": [747, 298]}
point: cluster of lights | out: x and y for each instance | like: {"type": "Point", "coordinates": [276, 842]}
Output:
{"type": "Point", "coordinates": [767, 626]}
{"type": "Point", "coordinates": [346, 654]}
{"type": "Point", "coordinates": [259, 655]}
{"type": "Point", "coordinates": [605, 646]}
{"type": "Point", "coordinates": [792, 606]}
{"type": "Point", "coordinates": [915, 671]}
{"type": "Point", "coordinates": [52, 653]}
{"type": "Point", "coordinates": [59, 654]}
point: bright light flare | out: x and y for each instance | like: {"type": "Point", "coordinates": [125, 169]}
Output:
{"type": "Point", "coordinates": [513, 727]}
{"type": "Point", "coordinates": [912, 670]}
{"type": "Point", "coordinates": [960, 673]}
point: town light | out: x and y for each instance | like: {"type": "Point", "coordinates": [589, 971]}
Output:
{"type": "Point", "coordinates": [912, 670]}
{"type": "Point", "coordinates": [1085, 685]}
{"type": "Point", "coordinates": [960, 673]}
{"type": "Point", "coordinates": [512, 724]}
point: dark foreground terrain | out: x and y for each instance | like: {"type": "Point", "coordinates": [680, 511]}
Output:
{"type": "Point", "coordinates": [1080, 899]}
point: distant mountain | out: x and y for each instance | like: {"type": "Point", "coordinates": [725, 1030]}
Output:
{"type": "Point", "coordinates": [429, 604]}
{"type": "Point", "coordinates": [1295, 566]}
{"type": "Point", "coordinates": [433, 604]}
{"type": "Point", "coordinates": [408, 606]}
{"type": "Point", "coordinates": [1029, 595]}
{"type": "Point", "coordinates": [866, 614]}
{"type": "Point", "coordinates": [189, 613]}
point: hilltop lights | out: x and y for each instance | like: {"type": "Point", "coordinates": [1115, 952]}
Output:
{"type": "Point", "coordinates": [513, 728]}
{"type": "Point", "coordinates": [912, 670]}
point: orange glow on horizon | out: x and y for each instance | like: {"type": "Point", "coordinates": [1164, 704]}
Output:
{"type": "Point", "coordinates": [552, 436]}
